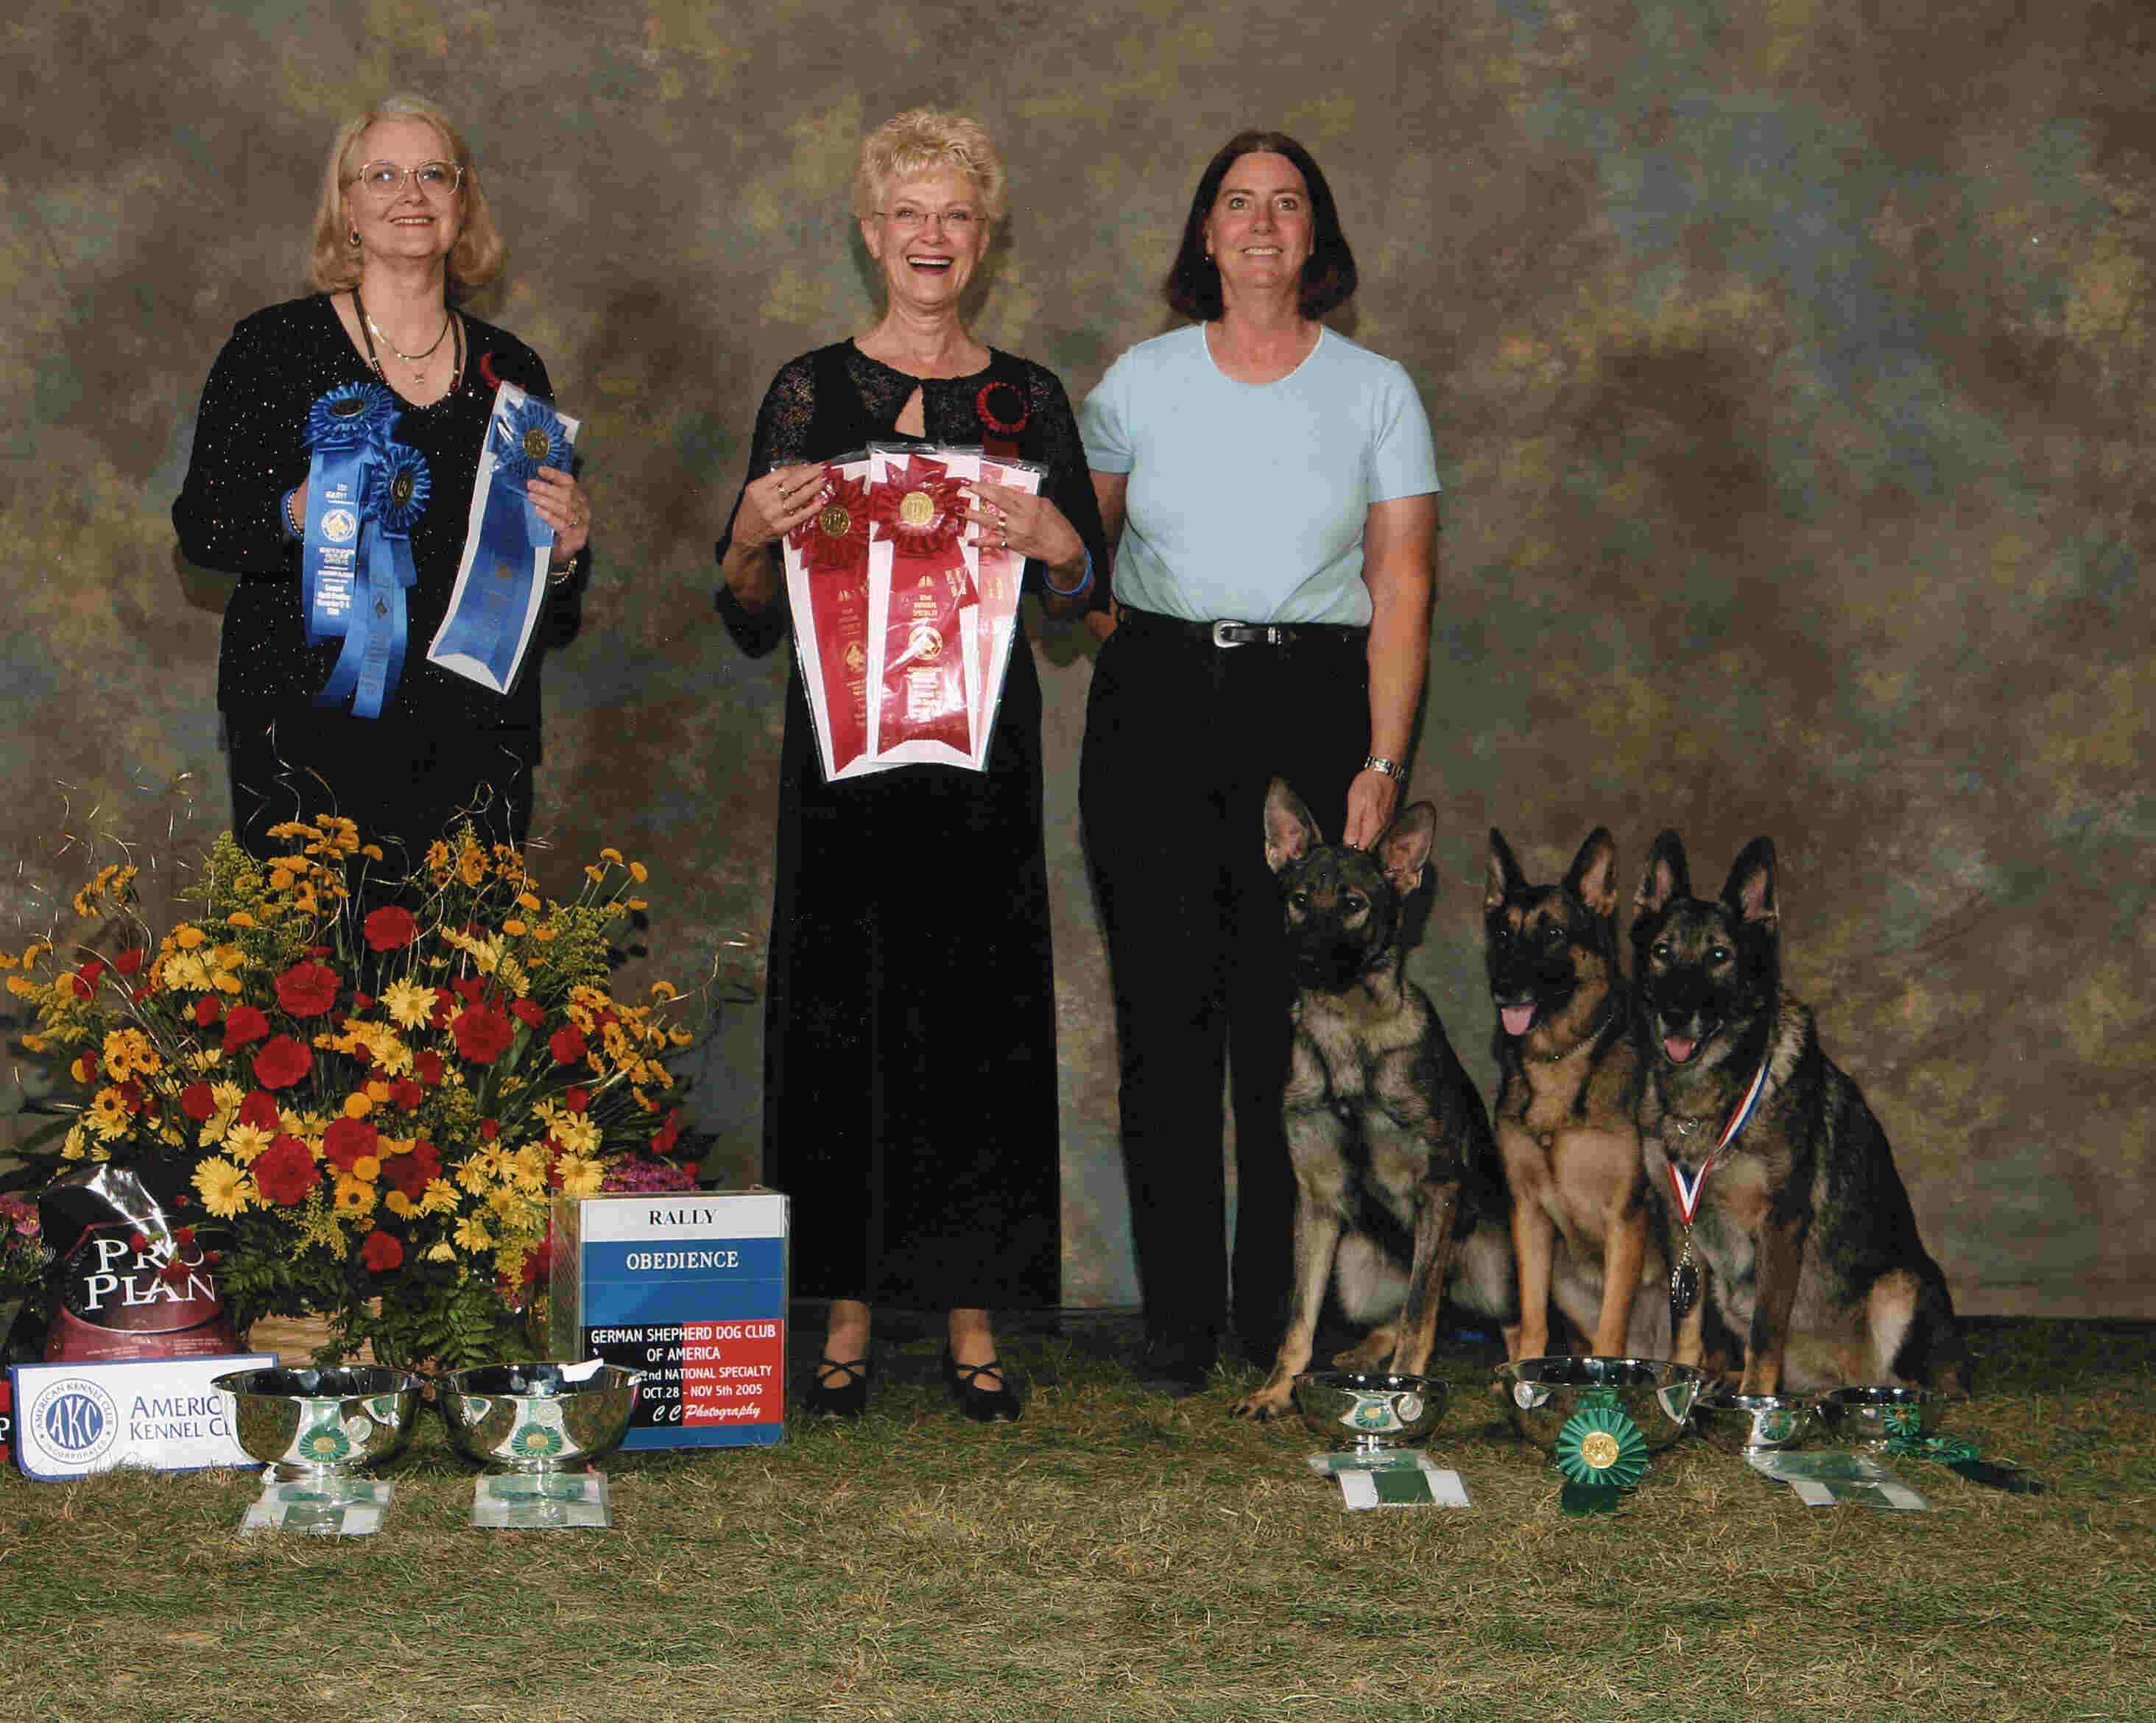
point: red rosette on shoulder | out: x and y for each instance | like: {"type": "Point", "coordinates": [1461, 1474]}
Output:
{"type": "Point", "coordinates": [1004, 412]}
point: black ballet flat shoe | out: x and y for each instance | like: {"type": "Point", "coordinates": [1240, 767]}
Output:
{"type": "Point", "coordinates": [838, 1390]}
{"type": "Point", "coordinates": [985, 1406]}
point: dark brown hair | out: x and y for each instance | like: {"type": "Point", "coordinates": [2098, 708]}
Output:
{"type": "Point", "coordinates": [1193, 286]}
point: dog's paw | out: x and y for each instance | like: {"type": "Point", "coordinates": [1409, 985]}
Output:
{"type": "Point", "coordinates": [1269, 1402]}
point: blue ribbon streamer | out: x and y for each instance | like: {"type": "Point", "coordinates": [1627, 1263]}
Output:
{"type": "Point", "coordinates": [489, 620]}
{"type": "Point", "coordinates": [347, 429]}
{"type": "Point", "coordinates": [373, 659]}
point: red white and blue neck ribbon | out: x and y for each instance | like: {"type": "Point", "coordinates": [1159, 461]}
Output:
{"type": "Point", "coordinates": [1687, 1190]}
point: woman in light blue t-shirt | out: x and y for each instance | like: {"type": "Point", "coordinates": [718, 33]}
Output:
{"type": "Point", "coordinates": [1274, 492]}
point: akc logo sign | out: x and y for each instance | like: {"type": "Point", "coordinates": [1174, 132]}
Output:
{"type": "Point", "coordinates": [76, 1420]}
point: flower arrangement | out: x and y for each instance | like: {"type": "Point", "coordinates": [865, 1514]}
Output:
{"type": "Point", "coordinates": [374, 1088]}
{"type": "Point", "coordinates": [24, 1257]}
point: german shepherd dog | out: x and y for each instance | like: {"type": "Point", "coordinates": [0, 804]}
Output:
{"type": "Point", "coordinates": [1803, 1238]}
{"type": "Point", "coordinates": [1567, 1093]}
{"type": "Point", "coordinates": [1393, 1162]}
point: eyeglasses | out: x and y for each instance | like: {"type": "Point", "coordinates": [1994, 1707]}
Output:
{"type": "Point", "coordinates": [957, 222]}
{"type": "Point", "coordinates": [385, 180]}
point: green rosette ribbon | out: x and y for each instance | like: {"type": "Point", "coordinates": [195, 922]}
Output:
{"type": "Point", "coordinates": [535, 1441]}
{"type": "Point", "coordinates": [1601, 1447]}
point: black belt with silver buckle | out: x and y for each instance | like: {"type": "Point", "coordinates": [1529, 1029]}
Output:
{"type": "Point", "coordinates": [1227, 632]}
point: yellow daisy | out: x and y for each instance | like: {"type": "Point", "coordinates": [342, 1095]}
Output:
{"type": "Point", "coordinates": [225, 1189]}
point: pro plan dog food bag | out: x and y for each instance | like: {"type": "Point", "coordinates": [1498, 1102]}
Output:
{"type": "Point", "coordinates": [135, 1277]}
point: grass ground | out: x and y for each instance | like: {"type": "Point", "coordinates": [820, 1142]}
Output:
{"type": "Point", "coordinates": [1118, 1555]}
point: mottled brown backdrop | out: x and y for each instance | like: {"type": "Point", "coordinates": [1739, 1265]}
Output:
{"type": "Point", "coordinates": [1790, 365]}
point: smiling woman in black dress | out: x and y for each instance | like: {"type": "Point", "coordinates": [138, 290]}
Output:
{"type": "Point", "coordinates": [401, 231]}
{"type": "Point", "coordinates": [910, 1018]}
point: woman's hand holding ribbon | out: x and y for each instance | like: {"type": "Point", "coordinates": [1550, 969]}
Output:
{"type": "Point", "coordinates": [1004, 519]}
{"type": "Point", "coordinates": [779, 501]}
{"type": "Point", "coordinates": [566, 506]}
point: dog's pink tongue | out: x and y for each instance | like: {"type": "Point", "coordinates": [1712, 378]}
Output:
{"type": "Point", "coordinates": [1678, 1049]}
{"type": "Point", "coordinates": [1516, 1017]}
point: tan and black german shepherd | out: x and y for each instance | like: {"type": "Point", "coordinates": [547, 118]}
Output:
{"type": "Point", "coordinates": [1567, 1102]}
{"type": "Point", "coordinates": [1397, 1184]}
{"type": "Point", "coordinates": [1803, 1239]}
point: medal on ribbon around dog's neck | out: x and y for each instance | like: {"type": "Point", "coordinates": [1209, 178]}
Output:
{"type": "Point", "coordinates": [1687, 1188]}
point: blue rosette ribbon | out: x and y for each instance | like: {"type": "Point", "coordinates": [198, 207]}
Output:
{"type": "Point", "coordinates": [398, 485]}
{"type": "Point", "coordinates": [525, 435]}
{"type": "Point", "coordinates": [347, 429]}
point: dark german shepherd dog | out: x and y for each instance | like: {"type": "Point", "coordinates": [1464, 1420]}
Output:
{"type": "Point", "coordinates": [1394, 1163]}
{"type": "Point", "coordinates": [1567, 1102]}
{"type": "Point", "coordinates": [1802, 1237]}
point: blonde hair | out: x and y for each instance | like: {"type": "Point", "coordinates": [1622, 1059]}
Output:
{"type": "Point", "coordinates": [473, 260]}
{"type": "Point", "coordinates": [921, 141]}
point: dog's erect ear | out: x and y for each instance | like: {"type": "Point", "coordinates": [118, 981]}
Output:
{"type": "Point", "coordinates": [1291, 833]}
{"type": "Point", "coordinates": [1667, 877]}
{"type": "Point", "coordinates": [1594, 876]}
{"type": "Point", "coordinates": [1503, 876]}
{"type": "Point", "coordinates": [1403, 848]}
{"type": "Point", "coordinates": [1750, 893]}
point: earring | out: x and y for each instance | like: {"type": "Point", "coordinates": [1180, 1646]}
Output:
{"type": "Point", "coordinates": [351, 235]}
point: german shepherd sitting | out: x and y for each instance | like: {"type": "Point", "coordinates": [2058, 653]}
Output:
{"type": "Point", "coordinates": [1393, 1162]}
{"type": "Point", "coordinates": [1567, 1100]}
{"type": "Point", "coordinates": [1802, 1237]}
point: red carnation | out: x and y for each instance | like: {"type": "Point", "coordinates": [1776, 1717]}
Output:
{"type": "Point", "coordinates": [307, 989]}
{"type": "Point", "coordinates": [483, 1033]}
{"type": "Point", "coordinates": [185, 1235]}
{"type": "Point", "coordinates": [285, 1171]}
{"type": "Point", "coordinates": [427, 1067]}
{"type": "Point", "coordinates": [576, 1099]}
{"type": "Point", "coordinates": [390, 928]}
{"type": "Point", "coordinates": [411, 1173]}
{"type": "Point", "coordinates": [196, 1102]}
{"type": "Point", "coordinates": [282, 1062]}
{"type": "Point", "coordinates": [138, 1241]}
{"type": "Point", "coordinates": [129, 961]}
{"type": "Point", "coordinates": [361, 1002]}
{"type": "Point", "coordinates": [209, 1008]}
{"type": "Point", "coordinates": [410, 1095]}
{"type": "Point", "coordinates": [246, 1024]}
{"type": "Point", "coordinates": [669, 1133]}
{"type": "Point", "coordinates": [469, 988]}
{"type": "Point", "coordinates": [381, 1252]}
{"type": "Point", "coordinates": [566, 1045]}
{"type": "Point", "coordinates": [258, 1110]}
{"type": "Point", "coordinates": [488, 1129]}
{"type": "Point", "coordinates": [440, 1014]}
{"type": "Point", "coordinates": [530, 1010]}
{"type": "Point", "coordinates": [347, 1139]}
{"type": "Point", "coordinates": [86, 977]}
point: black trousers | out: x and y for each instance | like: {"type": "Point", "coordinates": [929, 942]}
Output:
{"type": "Point", "coordinates": [1182, 738]}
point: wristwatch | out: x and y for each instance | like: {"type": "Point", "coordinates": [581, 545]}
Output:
{"type": "Point", "coordinates": [1378, 762]}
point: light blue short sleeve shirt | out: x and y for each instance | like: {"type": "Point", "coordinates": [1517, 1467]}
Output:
{"type": "Point", "coordinates": [1247, 501]}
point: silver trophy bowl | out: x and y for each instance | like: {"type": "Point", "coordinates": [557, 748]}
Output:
{"type": "Point", "coordinates": [321, 1427]}
{"type": "Point", "coordinates": [1872, 1416]}
{"type": "Point", "coordinates": [537, 1419]}
{"type": "Point", "coordinates": [1542, 1395]}
{"type": "Point", "coordinates": [1751, 1423]}
{"type": "Point", "coordinates": [1369, 1410]}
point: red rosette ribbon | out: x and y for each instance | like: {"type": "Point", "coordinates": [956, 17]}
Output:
{"type": "Point", "coordinates": [1004, 412]}
{"type": "Point", "coordinates": [834, 540]}
{"type": "Point", "coordinates": [921, 509]}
